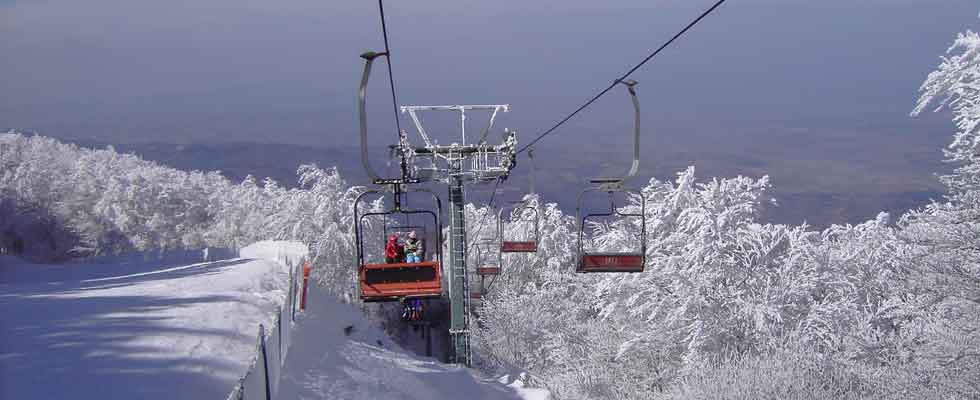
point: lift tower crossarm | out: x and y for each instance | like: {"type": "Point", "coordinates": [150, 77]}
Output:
{"type": "Point", "coordinates": [462, 109]}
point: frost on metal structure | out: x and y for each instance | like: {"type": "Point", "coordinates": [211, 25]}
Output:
{"type": "Point", "coordinates": [456, 165]}
{"type": "Point", "coordinates": [478, 161]}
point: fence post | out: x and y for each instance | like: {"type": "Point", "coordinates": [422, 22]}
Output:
{"type": "Point", "coordinates": [306, 281]}
{"type": "Point", "coordinates": [279, 323]}
{"type": "Point", "coordinates": [265, 362]}
{"type": "Point", "coordinates": [292, 293]}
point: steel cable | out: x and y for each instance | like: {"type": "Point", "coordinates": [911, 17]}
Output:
{"type": "Point", "coordinates": [626, 75]}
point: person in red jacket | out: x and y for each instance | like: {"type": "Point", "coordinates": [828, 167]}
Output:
{"type": "Point", "coordinates": [393, 250]}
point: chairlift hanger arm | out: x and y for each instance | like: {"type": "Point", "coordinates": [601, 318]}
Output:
{"type": "Point", "coordinates": [362, 112]}
{"type": "Point", "coordinates": [530, 156]}
{"type": "Point", "coordinates": [631, 87]}
{"type": "Point", "coordinates": [635, 167]}
{"type": "Point", "coordinates": [362, 117]}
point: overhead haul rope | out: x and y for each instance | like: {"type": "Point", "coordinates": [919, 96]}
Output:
{"type": "Point", "coordinates": [391, 77]}
{"type": "Point", "coordinates": [626, 75]}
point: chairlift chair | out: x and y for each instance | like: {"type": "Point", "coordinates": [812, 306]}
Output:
{"type": "Point", "coordinates": [511, 245]}
{"type": "Point", "coordinates": [628, 261]}
{"type": "Point", "coordinates": [396, 281]}
{"type": "Point", "coordinates": [392, 281]}
{"type": "Point", "coordinates": [486, 263]}
{"type": "Point", "coordinates": [486, 258]}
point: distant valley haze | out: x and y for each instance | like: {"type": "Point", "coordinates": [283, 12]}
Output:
{"type": "Point", "coordinates": [814, 94]}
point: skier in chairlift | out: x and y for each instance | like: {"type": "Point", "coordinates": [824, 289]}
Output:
{"type": "Point", "coordinates": [413, 248]}
{"type": "Point", "coordinates": [393, 250]}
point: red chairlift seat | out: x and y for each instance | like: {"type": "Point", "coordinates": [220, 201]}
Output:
{"type": "Point", "coordinates": [611, 262]}
{"type": "Point", "coordinates": [488, 270]}
{"type": "Point", "coordinates": [519, 210]}
{"type": "Point", "coordinates": [519, 247]}
{"type": "Point", "coordinates": [396, 281]}
{"type": "Point", "coordinates": [386, 282]}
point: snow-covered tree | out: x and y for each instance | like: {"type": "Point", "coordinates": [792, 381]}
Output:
{"type": "Point", "coordinates": [944, 236]}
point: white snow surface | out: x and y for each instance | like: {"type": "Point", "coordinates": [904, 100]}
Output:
{"type": "Point", "coordinates": [144, 330]}
{"type": "Point", "coordinates": [325, 362]}
{"type": "Point", "coordinates": [286, 252]}
{"type": "Point", "coordinates": [176, 330]}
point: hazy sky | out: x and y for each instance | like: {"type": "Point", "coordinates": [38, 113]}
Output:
{"type": "Point", "coordinates": [248, 70]}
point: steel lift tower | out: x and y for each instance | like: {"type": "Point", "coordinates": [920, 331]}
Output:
{"type": "Point", "coordinates": [457, 165]}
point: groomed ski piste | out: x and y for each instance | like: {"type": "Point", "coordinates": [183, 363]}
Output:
{"type": "Point", "coordinates": [168, 330]}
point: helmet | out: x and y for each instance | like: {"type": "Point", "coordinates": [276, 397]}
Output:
{"type": "Point", "coordinates": [393, 237]}
{"type": "Point", "coordinates": [411, 235]}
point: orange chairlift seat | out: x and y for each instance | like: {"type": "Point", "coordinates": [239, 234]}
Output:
{"type": "Point", "coordinates": [486, 252]}
{"type": "Point", "coordinates": [396, 281]}
{"type": "Point", "coordinates": [628, 261]}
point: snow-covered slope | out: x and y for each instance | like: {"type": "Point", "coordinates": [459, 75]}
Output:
{"type": "Point", "coordinates": [337, 354]}
{"type": "Point", "coordinates": [144, 331]}
{"type": "Point", "coordinates": [171, 330]}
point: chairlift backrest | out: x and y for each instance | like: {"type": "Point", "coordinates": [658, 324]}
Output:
{"type": "Point", "coordinates": [625, 261]}
{"type": "Point", "coordinates": [381, 281]}
{"type": "Point", "coordinates": [527, 244]}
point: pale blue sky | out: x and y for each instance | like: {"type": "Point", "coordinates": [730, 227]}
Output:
{"type": "Point", "coordinates": [814, 93]}
{"type": "Point", "coordinates": [248, 70]}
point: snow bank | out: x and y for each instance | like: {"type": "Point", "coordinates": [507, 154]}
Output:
{"type": "Point", "coordinates": [284, 252]}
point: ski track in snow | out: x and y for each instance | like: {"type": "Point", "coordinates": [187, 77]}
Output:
{"type": "Point", "coordinates": [135, 331]}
